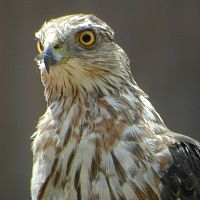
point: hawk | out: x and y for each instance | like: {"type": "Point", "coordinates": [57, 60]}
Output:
{"type": "Point", "coordinates": [100, 137]}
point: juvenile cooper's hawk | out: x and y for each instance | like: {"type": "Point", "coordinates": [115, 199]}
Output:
{"type": "Point", "coordinates": [100, 138]}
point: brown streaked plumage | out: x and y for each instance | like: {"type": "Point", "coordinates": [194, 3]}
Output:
{"type": "Point", "coordinates": [100, 138]}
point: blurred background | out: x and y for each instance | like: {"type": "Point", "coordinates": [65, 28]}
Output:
{"type": "Point", "coordinates": [161, 37]}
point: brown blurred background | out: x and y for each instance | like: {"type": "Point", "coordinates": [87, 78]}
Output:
{"type": "Point", "coordinates": [161, 37]}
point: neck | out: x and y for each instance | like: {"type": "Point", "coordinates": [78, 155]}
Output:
{"type": "Point", "coordinates": [62, 84]}
{"type": "Point", "coordinates": [104, 111]}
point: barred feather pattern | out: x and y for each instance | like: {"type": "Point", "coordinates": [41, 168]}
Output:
{"type": "Point", "coordinates": [98, 149]}
{"type": "Point", "coordinates": [100, 138]}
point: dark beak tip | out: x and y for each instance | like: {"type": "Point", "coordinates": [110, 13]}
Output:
{"type": "Point", "coordinates": [47, 64]}
{"type": "Point", "coordinates": [49, 58]}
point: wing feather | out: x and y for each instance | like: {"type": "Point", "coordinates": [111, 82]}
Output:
{"type": "Point", "coordinates": [181, 179]}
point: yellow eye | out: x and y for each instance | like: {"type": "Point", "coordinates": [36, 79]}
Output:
{"type": "Point", "coordinates": [86, 38]}
{"type": "Point", "coordinates": [40, 47]}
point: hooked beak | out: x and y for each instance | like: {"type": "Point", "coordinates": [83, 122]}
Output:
{"type": "Point", "coordinates": [49, 58]}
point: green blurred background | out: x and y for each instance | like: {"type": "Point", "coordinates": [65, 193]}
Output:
{"type": "Point", "coordinates": [161, 37]}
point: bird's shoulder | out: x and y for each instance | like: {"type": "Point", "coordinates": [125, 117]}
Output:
{"type": "Point", "coordinates": [181, 176]}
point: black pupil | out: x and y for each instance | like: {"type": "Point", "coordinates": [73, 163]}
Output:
{"type": "Point", "coordinates": [86, 38]}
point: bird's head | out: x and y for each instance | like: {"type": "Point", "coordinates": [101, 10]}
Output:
{"type": "Point", "coordinates": [78, 52]}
